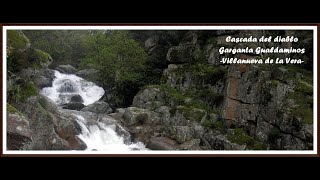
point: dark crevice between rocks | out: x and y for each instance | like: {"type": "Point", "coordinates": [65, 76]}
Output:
{"type": "Point", "coordinates": [283, 132]}
{"type": "Point", "coordinates": [242, 102]}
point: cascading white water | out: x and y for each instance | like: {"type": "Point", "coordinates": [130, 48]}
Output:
{"type": "Point", "coordinates": [102, 137]}
{"type": "Point", "coordinates": [98, 136]}
{"type": "Point", "coordinates": [65, 86]}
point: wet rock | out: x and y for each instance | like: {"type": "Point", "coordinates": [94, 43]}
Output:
{"type": "Point", "coordinates": [66, 69]}
{"type": "Point", "coordinates": [76, 98]}
{"type": "Point", "coordinates": [41, 82]}
{"type": "Point", "coordinates": [98, 107]}
{"type": "Point", "coordinates": [73, 106]}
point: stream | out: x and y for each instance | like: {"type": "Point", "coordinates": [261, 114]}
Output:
{"type": "Point", "coordinates": [99, 135]}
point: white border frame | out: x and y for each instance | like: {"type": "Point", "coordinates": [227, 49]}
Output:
{"type": "Point", "coordinates": [133, 27]}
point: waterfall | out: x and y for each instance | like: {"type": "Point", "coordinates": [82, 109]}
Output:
{"type": "Point", "coordinates": [98, 136]}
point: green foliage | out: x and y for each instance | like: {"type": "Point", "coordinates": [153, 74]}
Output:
{"type": "Point", "coordinates": [29, 90]}
{"type": "Point", "coordinates": [218, 124]}
{"type": "Point", "coordinates": [11, 108]}
{"type": "Point", "coordinates": [22, 92]}
{"type": "Point", "coordinates": [172, 94]}
{"type": "Point", "coordinates": [304, 87]}
{"type": "Point", "coordinates": [274, 83]}
{"type": "Point", "coordinates": [15, 93]}
{"type": "Point", "coordinates": [120, 61]}
{"type": "Point", "coordinates": [192, 113]}
{"type": "Point", "coordinates": [17, 40]}
{"type": "Point", "coordinates": [240, 137]}
{"type": "Point", "coordinates": [65, 46]}
{"type": "Point", "coordinates": [201, 72]}
{"type": "Point", "coordinates": [304, 102]}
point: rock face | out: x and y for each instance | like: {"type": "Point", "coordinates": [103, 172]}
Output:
{"type": "Point", "coordinates": [181, 54]}
{"type": "Point", "coordinates": [67, 69]}
{"type": "Point", "coordinates": [18, 131]}
{"type": "Point", "coordinates": [98, 107]}
{"type": "Point", "coordinates": [162, 143]}
{"type": "Point", "coordinates": [201, 102]}
{"type": "Point", "coordinates": [42, 82]}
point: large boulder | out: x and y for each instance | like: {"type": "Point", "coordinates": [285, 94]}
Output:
{"type": "Point", "coordinates": [42, 124]}
{"type": "Point", "coordinates": [162, 143]}
{"type": "Point", "coordinates": [88, 74]}
{"type": "Point", "coordinates": [181, 133]}
{"type": "Point", "coordinates": [48, 104]}
{"type": "Point", "coordinates": [76, 98]}
{"type": "Point", "coordinates": [67, 69]}
{"type": "Point", "coordinates": [41, 82]}
{"type": "Point", "coordinates": [181, 54]}
{"type": "Point", "coordinates": [193, 144]}
{"type": "Point", "coordinates": [19, 133]}
{"type": "Point", "coordinates": [98, 107]}
{"type": "Point", "coordinates": [149, 98]}
{"type": "Point", "coordinates": [217, 141]}
{"type": "Point", "coordinates": [73, 106]}
{"type": "Point", "coordinates": [136, 116]}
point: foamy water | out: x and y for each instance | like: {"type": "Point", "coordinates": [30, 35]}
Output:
{"type": "Point", "coordinates": [89, 92]}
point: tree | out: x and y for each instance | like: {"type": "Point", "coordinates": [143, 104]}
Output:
{"type": "Point", "coordinates": [120, 61]}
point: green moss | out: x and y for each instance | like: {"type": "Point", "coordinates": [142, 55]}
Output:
{"type": "Point", "coordinates": [17, 39]}
{"type": "Point", "coordinates": [42, 109]}
{"type": "Point", "coordinates": [173, 94]}
{"type": "Point", "coordinates": [304, 106]}
{"type": "Point", "coordinates": [15, 93]}
{"type": "Point", "coordinates": [191, 113]}
{"type": "Point", "coordinates": [38, 58]}
{"type": "Point", "coordinates": [219, 125]}
{"type": "Point", "coordinates": [240, 137]}
{"type": "Point", "coordinates": [212, 40]}
{"type": "Point", "coordinates": [28, 90]}
{"type": "Point", "coordinates": [151, 86]}
{"type": "Point", "coordinates": [201, 72]}
{"type": "Point", "coordinates": [308, 116]}
{"type": "Point", "coordinates": [304, 87]}
{"type": "Point", "coordinates": [199, 55]}
{"type": "Point", "coordinates": [11, 108]}
{"type": "Point", "coordinates": [42, 56]}
{"type": "Point", "coordinates": [274, 83]}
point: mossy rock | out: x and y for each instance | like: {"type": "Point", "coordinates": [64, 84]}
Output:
{"type": "Point", "coordinates": [11, 108]}
{"type": "Point", "coordinates": [192, 114]}
{"type": "Point", "coordinates": [38, 58]}
{"type": "Point", "coordinates": [304, 106]}
{"type": "Point", "coordinates": [17, 40]}
{"type": "Point", "coordinates": [240, 137]}
{"type": "Point", "coordinates": [305, 88]}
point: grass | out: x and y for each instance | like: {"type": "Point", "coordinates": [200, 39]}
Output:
{"type": "Point", "coordinates": [241, 138]}
{"type": "Point", "coordinates": [11, 108]}
{"type": "Point", "coordinates": [304, 106]}
{"type": "Point", "coordinates": [17, 40]}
